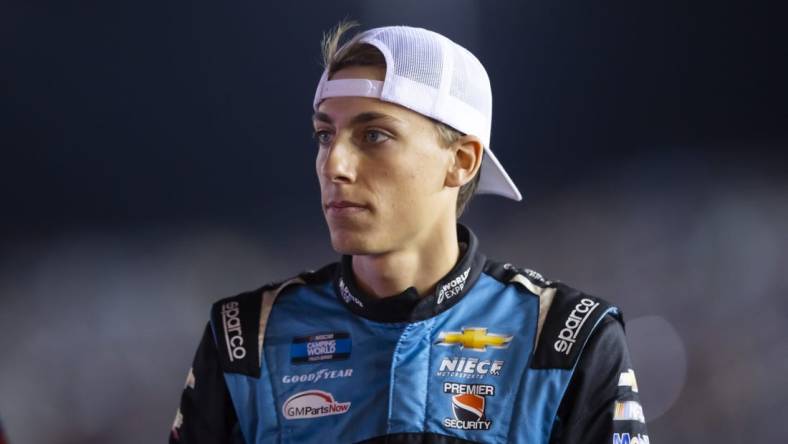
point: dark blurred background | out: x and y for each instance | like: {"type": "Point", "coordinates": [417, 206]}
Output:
{"type": "Point", "coordinates": [157, 157]}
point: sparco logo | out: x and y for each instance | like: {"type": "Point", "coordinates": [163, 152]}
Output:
{"type": "Point", "coordinates": [573, 324]}
{"type": "Point", "coordinates": [232, 331]}
{"type": "Point", "coordinates": [347, 295]}
{"type": "Point", "coordinates": [313, 404]}
{"type": "Point", "coordinates": [470, 368]}
{"type": "Point", "coordinates": [453, 287]}
{"type": "Point", "coordinates": [318, 375]}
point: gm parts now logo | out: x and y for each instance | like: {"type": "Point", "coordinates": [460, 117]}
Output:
{"type": "Point", "coordinates": [313, 404]}
{"type": "Point", "coordinates": [320, 347]}
{"type": "Point", "coordinates": [469, 368]}
{"type": "Point", "coordinates": [232, 331]}
{"type": "Point", "coordinates": [468, 405]}
{"type": "Point", "coordinates": [574, 323]}
{"type": "Point", "coordinates": [473, 339]}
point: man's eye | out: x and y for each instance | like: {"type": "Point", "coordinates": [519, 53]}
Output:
{"type": "Point", "coordinates": [323, 137]}
{"type": "Point", "coordinates": [375, 136]}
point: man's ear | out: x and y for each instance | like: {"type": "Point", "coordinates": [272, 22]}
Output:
{"type": "Point", "coordinates": [467, 161]}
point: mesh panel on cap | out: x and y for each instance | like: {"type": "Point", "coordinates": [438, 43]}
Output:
{"type": "Point", "coordinates": [416, 57]}
{"type": "Point", "coordinates": [471, 92]}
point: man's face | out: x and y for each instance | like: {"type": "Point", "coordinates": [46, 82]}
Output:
{"type": "Point", "coordinates": [382, 172]}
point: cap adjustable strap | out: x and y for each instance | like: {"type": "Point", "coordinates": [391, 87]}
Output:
{"type": "Point", "coordinates": [352, 88]}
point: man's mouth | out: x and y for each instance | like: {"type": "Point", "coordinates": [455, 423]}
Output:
{"type": "Point", "coordinates": [344, 207]}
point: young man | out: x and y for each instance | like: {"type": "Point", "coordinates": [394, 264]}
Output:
{"type": "Point", "coordinates": [413, 336]}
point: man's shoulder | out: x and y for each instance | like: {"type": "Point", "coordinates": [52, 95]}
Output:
{"type": "Point", "coordinates": [306, 277]}
{"type": "Point", "coordinates": [531, 281]}
{"type": "Point", "coordinates": [534, 282]}
{"type": "Point", "coordinates": [238, 320]}
{"type": "Point", "coordinates": [568, 317]}
{"type": "Point", "coordinates": [507, 272]}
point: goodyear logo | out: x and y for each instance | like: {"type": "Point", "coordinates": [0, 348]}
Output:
{"type": "Point", "coordinates": [474, 339]}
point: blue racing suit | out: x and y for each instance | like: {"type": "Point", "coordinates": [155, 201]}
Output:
{"type": "Point", "coordinates": [495, 354]}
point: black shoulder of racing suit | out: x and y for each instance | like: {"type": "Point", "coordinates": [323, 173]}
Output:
{"type": "Point", "coordinates": [504, 272]}
{"type": "Point", "coordinates": [587, 409]}
{"type": "Point", "coordinates": [236, 322]}
{"type": "Point", "coordinates": [206, 414]}
{"type": "Point", "coordinates": [570, 321]}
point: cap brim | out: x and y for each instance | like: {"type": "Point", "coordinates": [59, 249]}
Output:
{"type": "Point", "coordinates": [494, 179]}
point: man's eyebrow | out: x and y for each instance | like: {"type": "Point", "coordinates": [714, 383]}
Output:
{"type": "Point", "coordinates": [370, 116]}
{"type": "Point", "coordinates": [322, 117]}
{"type": "Point", "coordinates": [359, 118]}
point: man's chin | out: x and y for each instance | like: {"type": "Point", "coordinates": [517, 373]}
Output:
{"type": "Point", "coordinates": [349, 247]}
{"type": "Point", "coordinates": [351, 242]}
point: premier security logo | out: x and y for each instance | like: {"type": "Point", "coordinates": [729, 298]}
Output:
{"type": "Point", "coordinates": [573, 324]}
{"type": "Point", "coordinates": [468, 405]}
{"type": "Point", "coordinates": [232, 331]}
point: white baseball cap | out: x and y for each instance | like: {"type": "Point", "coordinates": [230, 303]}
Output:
{"type": "Point", "coordinates": [430, 74]}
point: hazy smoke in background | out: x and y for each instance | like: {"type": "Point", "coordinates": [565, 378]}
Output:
{"type": "Point", "coordinates": [99, 330]}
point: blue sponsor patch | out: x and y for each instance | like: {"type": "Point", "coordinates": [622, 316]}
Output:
{"type": "Point", "coordinates": [625, 438]}
{"type": "Point", "coordinates": [320, 348]}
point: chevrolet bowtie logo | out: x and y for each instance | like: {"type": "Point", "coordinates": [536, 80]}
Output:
{"type": "Point", "coordinates": [474, 338]}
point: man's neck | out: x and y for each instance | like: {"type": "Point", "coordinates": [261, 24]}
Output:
{"type": "Point", "coordinates": [420, 266]}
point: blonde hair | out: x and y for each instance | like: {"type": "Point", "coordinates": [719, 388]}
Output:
{"type": "Point", "coordinates": [336, 57]}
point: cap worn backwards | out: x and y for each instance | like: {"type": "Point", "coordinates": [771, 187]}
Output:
{"type": "Point", "coordinates": [433, 76]}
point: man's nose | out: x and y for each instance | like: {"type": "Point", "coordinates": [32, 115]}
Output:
{"type": "Point", "coordinates": [339, 162]}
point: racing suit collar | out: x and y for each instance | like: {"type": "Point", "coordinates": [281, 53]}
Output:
{"type": "Point", "coordinates": [408, 306]}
